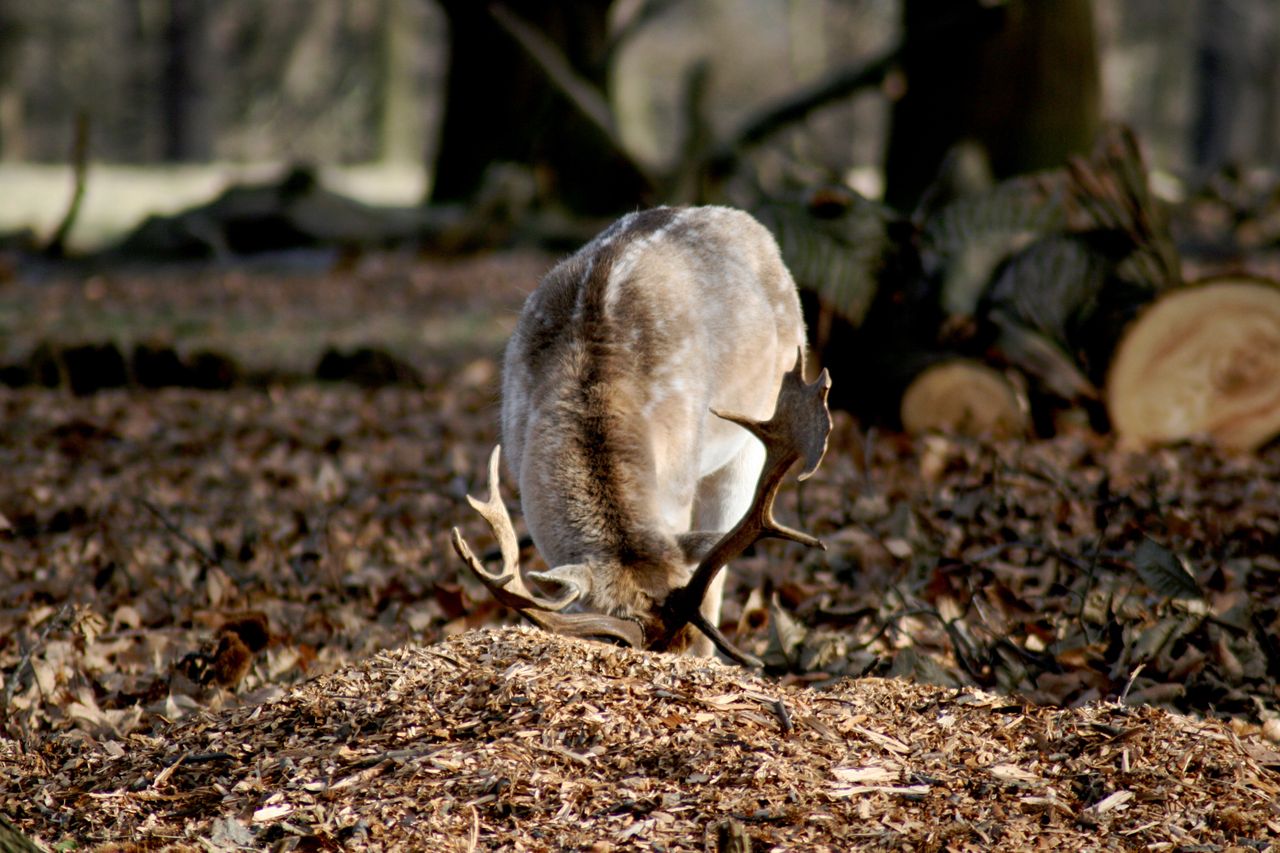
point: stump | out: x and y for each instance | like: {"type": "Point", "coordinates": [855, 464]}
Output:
{"type": "Point", "coordinates": [1203, 361]}
{"type": "Point", "coordinates": [964, 396]}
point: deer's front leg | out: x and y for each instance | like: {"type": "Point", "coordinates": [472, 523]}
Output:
{"type": "Point", "coordinates": [722, 498]}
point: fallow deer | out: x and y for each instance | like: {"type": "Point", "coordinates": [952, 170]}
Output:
{"type": "Point", "coordinates": [638, 371]}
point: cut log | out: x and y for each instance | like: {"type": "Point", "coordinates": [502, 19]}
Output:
{"type": "Point", "coordinates": [965, 397]}
{"type": "Point", "coordinates": [1202, 361]}
{"type": "Point", "coordinates": [1038, 275]}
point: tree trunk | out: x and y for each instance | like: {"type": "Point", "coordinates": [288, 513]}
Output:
{"type": "Point", "coordinates": [186, 90]}
{"type": "Point", "coordinates": [133, 117]}
{"type": "Point", "coordinates": [500, 107]}
{"type": "Point", "coordinates": [1020, 79]}
{"type": "Point", "coordinates": [1235, 84]}
{"type": "Point", "coordinates": [401, 121]}
{"type": "Point", "coordinates": [12, 37]}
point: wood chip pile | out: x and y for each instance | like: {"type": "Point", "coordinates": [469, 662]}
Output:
{"type": "Point", "coordinates": [520, 740]}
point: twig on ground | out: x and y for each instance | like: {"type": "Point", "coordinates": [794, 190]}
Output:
{"type": "Point", "coordinates": [1133, 676]}
{"type": "Point", "coordinates": [11, 687]}
{"type": "Point", "coordinates": [210, 559]}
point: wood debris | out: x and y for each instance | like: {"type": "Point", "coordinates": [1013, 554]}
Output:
{"type": "Point", "coordinates": [517, 739]}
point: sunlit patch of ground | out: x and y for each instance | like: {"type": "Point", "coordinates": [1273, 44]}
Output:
{"type": "Point", "coordinates": [118, 197]}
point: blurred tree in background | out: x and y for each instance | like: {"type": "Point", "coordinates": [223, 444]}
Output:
{"type": "Point", "coordinates": [1237, 94]}
{"type": "Point", "coordinates": [353, 81]}
{"type": "Point", "coordinates": [186, 87]}
{"type": "Point", "coordinates": [235, 80]}
{"type": "Point", "coordinates": [1020, 78]}
{"type": "Point", "coordinates": [12, 35]}
{"type": "Point", "coordinates": [501, 107]}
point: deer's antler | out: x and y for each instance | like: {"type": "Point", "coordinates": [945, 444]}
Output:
{"type": "Point", "coordinates": [509, 587]}
{"type": "Point", "coordinates": [797, 431]}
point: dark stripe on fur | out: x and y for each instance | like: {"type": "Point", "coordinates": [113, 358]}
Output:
{"type": "Point", "coordinates": [615, 443]}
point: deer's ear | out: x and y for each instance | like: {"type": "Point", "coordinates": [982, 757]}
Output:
{"type": "Point", "coordinates": [574, 579]}
{"type": "Point", "coordinates": [695, 544]}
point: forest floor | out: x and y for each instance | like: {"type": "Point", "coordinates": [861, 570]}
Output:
{"type": "Point", "coordinates": [233, 618]}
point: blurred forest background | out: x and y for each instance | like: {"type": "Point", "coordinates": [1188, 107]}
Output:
{"type": "Point", "coordinates": [213, 91]}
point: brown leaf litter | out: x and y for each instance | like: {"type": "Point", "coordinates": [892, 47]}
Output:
{"type": "Point", "coordinates": [152, 543]}
{"type": "Point", "coordinates": [516, 739]}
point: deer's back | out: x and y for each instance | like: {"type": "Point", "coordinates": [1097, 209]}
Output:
{"type": "Point", "coordinates": [619, 355]}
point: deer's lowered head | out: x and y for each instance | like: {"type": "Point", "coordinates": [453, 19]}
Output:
{"type": "Point", "coordinates": [637, 394]}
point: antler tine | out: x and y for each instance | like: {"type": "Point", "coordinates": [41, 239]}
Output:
{"type": "Point", "coordinates": [797, 430]}
{"type": "Point", "coordinates": [509, 588]}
